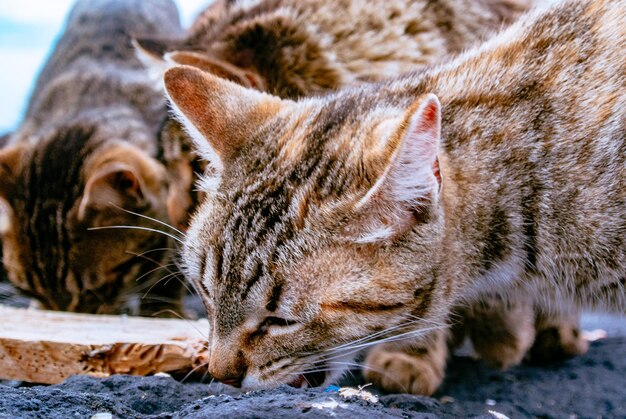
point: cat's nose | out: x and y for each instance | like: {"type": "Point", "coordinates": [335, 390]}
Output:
{"type": "Point", "coordinates": [232, 380]}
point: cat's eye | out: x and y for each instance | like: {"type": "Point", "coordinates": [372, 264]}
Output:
{"type": "Point", "coordinates": [272, 321]}
{"type": "Point", "coordinates": [277, 321]}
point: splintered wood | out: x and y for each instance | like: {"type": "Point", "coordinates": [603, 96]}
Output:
{"type": "Point", "coordinates": [48, 347]}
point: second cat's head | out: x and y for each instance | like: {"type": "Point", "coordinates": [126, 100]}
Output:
{"type": "Point", "coordinates": [58, 200]}
{"type": "Point", "coordinates": [318, 232]}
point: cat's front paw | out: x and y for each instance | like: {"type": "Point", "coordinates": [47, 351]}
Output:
{"type": "Point", "coordinates": [417, 369]}
{"type": "Point", "coordinates": [502, 331]}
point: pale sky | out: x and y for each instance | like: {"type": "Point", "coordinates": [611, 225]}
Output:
{"type": "Point", "coordinates": [28, 29]}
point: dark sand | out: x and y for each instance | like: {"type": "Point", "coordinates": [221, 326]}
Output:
{"type": "Point", "coordinates": [590, 386]}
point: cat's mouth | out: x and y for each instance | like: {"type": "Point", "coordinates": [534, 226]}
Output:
{"type": "Point", "coordinates": [313, 378]}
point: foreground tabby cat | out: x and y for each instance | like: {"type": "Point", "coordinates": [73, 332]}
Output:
{"type": "Point", "coordinates": [88, 146]}
{"type": "Point", "coordinates": [295, 49]}
{"type": "Point", "coordinates": [338, 222]}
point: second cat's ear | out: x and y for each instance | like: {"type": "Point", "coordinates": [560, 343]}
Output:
{"type": "Point", "coordinates": [219, 68]}
{"type": "Point", "coordinates": [408, 187]}
{"type": "Point", "coordinates": [10, 160]}
{"type": "Point", "coordinates": [219, 115]}
{"type": "Point", "coordinates": [123, 177]}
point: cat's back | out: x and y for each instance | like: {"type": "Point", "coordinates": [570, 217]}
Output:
{"type": "Point", "coordinates": [93, 63]}
{"type": "Point", "coordinates": [556, 79]}
{"type": "Point", "coordinates": [534, 141]}
{"type": "Point", "coordinates": [362, 41]}
{"type": "Point", "coordinates": [101, 30]}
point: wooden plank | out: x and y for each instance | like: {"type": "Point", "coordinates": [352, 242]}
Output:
{"type": "Point", "coordinates": [48, 347]}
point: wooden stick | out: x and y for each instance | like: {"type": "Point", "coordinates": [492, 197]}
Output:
{"type": "Point", "coordinates": [48, 347]}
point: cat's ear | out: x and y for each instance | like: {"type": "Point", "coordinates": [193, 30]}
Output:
{"type": "Point", "coordinates": [123, 177]}
{"type": "Point", "coordinates": [219, 115]}
{"type": "Point", "coordinates": [220, 68]}
{"type": "Point", "coordinates": [151, 52]}
{"type": "Point", "coordinates": [408, 187]}
{"type": "Point", "coordinates": [10, 159]}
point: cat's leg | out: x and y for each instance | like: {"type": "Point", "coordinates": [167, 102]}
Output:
{"type": "Point", "coordinates": [502, 330]}
{"type": "Point", "coordinates": [558, 336]}
{"type": "Point", "coordinates": [417, 367]}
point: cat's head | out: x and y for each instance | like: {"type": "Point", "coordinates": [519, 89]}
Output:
{"type": "Point", "coordinates": [52, 196]}
{"type": "Point", "coordinates": [319, 232]}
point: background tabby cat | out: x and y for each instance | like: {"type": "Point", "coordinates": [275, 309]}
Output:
{"type": "Point", "coordinates": [86, 148]}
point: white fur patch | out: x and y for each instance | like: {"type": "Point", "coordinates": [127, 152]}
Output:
{"type": "Point", "coordinates": [4, 217]}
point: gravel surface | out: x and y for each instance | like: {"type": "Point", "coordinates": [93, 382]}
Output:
{"type": "Point", "coordinates": [593, 385]}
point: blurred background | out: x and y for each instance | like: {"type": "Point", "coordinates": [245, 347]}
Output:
{"type": "Point", "coordinates": [28, 30]}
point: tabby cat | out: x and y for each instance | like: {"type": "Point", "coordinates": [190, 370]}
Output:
{"type": "Point", "coordinates": [86, 148]}
{"type": "Point", "coordinates": [337, 223]}
{"type": "Point", "coordinates": [295, 49]}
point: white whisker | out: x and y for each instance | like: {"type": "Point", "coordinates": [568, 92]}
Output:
{"type": "Point", "coordinates": [204, 364]}
{"type": "Point", "coordinates": [138, 228]}
{"type": "Point", "coordinates": [204, 338]}
{"type": "Point", "coordinates": [151, 219]}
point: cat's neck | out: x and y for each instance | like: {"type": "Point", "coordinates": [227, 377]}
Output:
{"type": "Point", "coordinates": [515, 151]}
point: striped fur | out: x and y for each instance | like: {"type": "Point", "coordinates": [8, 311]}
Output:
{"type": "Point", "coordinates": [295, 49]}
{"type": "Point", "coordinates": [532, 176]}
{"type": "Point", "coordinates": [87, 145]}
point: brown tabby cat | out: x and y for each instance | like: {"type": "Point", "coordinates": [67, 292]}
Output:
{"type": "Point", "coordinates": [295, 49]}
{"type": "Point", "coordinates": [86, 148]}
{"type": "Point", "coordinates": [336, 223]}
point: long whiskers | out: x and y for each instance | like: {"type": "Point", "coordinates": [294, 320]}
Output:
{"type": "Point", "coordinates": [182, 235]}
{"type": "Point", "coordinates": [333, 354]}
{"type": "Point", "coordinates": [387, 335]}
{"type": "Point", "coordinates": [203, 365]}
{"type": "Point", "coordinates": [154, 230]}
{"type": "Point", "coordinates": [204, 337]}
{"type": "Point", "coordinates": [170, 272]}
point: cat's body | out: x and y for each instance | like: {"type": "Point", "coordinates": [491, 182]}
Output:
{"type": "Point", "coordinates": [297, 49]}
{"type": "Point", "coordinates": [337, 221]}
{"type": "Point", "coordinates": [87, 146]}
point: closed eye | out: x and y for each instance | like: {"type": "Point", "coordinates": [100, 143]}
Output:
{"type": "Point", "coordinates": [277, 321]}
{"type": "Point", "coordinates": [272, 321]}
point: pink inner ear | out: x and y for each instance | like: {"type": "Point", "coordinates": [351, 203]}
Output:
{"type": "Point", "coordinates": [430, 116]}
{"type": "Point", "coordinates": [436, 171]}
